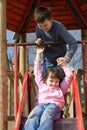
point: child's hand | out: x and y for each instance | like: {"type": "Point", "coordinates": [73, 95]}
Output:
{"type": "Point", "coordinates": [38, 41]}
{"type": "Point", "coordinates": [38, 53]}
{"type": "Point", "coordinates": [61, 61]}
{"type": "Point", "coordinates": [40, 50]}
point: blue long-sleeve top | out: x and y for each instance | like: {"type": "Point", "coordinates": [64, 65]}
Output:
{"type": "Point", "coordinates": [57, 33]}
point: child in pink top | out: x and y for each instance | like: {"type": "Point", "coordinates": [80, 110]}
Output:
{"type": "Point", "coordinates": [50, 95]}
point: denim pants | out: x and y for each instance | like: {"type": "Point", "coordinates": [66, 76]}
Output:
{"type": "Point", "coordinates": [47, 64]}
{"type": "Point", "coordinates": [42, 117]}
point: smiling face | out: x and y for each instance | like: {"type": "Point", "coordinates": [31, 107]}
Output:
{"type": "Point", "coordinates": [53, 77]}
{"type": "Point", "coordinates": [53, 82]}
{"type": "Point", "coordinates": [46, 25]}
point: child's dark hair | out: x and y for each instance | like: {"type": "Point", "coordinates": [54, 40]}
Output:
{"type": "Point", "coordinates": [42, 13]}
{"type": "Point", "coordinates": [55, 73]}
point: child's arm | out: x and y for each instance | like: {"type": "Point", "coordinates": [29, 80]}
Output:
{"type": "Point", "coordinates": [65, 84]}
{"type": "Point", "coordinates": [38, 67]}
{"type": "Point", "coordinates": [38, 53]}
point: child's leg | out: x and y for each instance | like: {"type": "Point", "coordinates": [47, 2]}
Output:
{"type": "Point", "coordinates": [33, 119]}
{"type": "Point", "coordinates": [47, 118]}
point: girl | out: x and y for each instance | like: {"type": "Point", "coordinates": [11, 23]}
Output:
{"type": "Point", "coordinates": [50, 95]}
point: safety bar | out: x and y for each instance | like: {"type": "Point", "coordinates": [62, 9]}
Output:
{"type": "Point", "coordinates": [20, 107]}
{"type": "Point", "coordinates": [43, 43]}
{"type": "Point", "coordinates": [76, 98]}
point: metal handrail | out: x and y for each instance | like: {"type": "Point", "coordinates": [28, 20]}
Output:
{"type": "Point", "coordinates": [20, 107]}
{"type": "Point", "coordinates": [43, 43]}
{"type": "Point", "coordinates": [76, 98]}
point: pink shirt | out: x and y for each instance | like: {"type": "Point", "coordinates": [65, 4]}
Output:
{"type": "Point", "coordinates": [48, 94]}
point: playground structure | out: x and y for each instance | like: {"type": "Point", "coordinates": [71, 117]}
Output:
{"type": "Point", "coordinates": [23, 29]}
{"type": "Point", "coordinates": [75, 116]}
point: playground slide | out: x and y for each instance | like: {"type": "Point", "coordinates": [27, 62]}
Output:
{"type": "Point", "coordinates": [75, 123]}
{"type": "Point", "coordinates": [66, 124]}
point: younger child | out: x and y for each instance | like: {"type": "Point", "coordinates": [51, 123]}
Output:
{"type": "Point", "coordinates": [50, 95]}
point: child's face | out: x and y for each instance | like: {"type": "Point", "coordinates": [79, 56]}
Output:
{"type": "Point", "coordinates": [46, 25]}
{"type": "Point", "coordinates": [53, 82]}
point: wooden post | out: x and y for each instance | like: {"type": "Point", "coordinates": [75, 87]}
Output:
{"type": "Point", "coordinates": [3, 67]}
{"type": "Point", "coordinates": [84, 52]}
{"type": "Point", "coordinates": [22, 57]}
{"type": "Point", "coordinates": [22, 69]}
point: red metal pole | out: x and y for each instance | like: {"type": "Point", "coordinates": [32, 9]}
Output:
{"type": "Point", "coordinates": [29, 95]}
{"type": "Point", "coordinates": [24, 86]}
{"type": "Point", "coordinates": [84, 54]}
{"type": "Point", "coordinates": [77, 103]}
{"type": "Point", "coordinates": [15, 81]}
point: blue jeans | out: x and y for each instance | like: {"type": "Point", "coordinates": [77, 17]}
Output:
{"type": "Point", "coordinates": [47, 64]}
{"type": "Point", "coordinates": [42, 117]}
